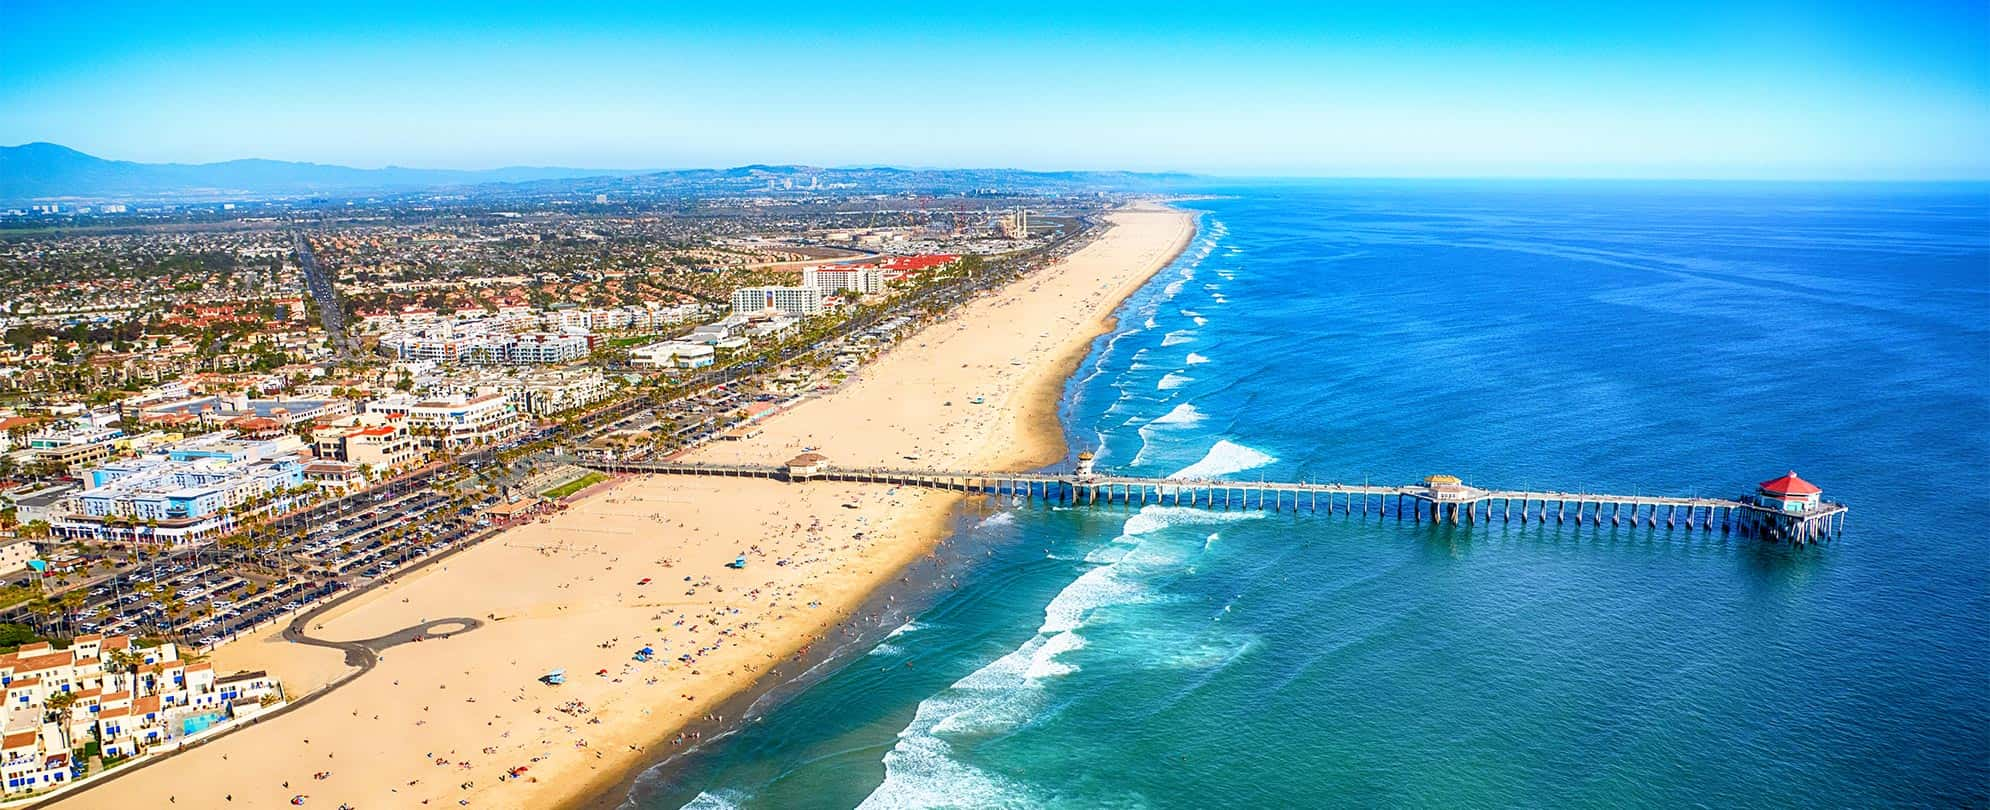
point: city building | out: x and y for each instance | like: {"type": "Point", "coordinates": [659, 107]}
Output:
{"type": "Point", "coordinates": [72, 446]}
{"type": "Point", "coordinates": [15, 553]}
{"type": "Point", "coordinates": [673, 354]}
{"type": "Point", "coordinates": [42, 504]}
{"type": "Point", "coordinates": [193, 492]}
{"type": "Point", "coordinates": [459, 344]}
{"type": "Point", "coordinates": [225, 409]}
{"type": "Point", "coordinates": [377, 441]}
{"type": "Point", "coordinates": [551, 392]}
{"type": "Point", "coordinates": [456, 421]}
{"type": "Point", "coordinates": [800, 302]}
{"type": "Point", "coordinates": [862, 280]}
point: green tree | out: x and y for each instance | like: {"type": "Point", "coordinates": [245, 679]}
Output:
{"type": "Point", "coordinates": [61, 708]}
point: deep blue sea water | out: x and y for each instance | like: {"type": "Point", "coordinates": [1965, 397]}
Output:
{"type": "Point", "coordinates": [1675, 338]}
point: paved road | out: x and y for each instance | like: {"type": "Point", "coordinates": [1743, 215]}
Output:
{"type": "Point", "coordinates": [365, 654]}
{"type": "Point", "coordinates": [320, 287]}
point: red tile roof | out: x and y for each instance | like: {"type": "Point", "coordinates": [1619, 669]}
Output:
{"type": "Point", "coordinates": [1789, 484]}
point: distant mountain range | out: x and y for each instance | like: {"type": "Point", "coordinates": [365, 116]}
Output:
{"type": "Point", "coordinates": [50, 172]}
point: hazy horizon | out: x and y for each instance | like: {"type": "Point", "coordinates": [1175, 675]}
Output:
{"type": "Point", "coordinates": [1705, 91]}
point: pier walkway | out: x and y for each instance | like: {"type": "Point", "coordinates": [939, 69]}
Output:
{"type": "Point", "coordinates": [1440, 499]}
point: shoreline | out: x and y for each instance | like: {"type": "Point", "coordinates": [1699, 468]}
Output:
{"type": "Point", "coordinates": [1041, 398]}
{"type": "Point", "coordinates": [562, 592]}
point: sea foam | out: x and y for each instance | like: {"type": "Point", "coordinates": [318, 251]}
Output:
{"type": "Point", "coordinates": [922, 769]}
{"type": "Point", "coordinates": [1224, 458]}
{"type": "Point", "coordinates": [1182, 415]}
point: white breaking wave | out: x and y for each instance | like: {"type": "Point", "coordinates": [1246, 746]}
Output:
{"type": "Point", "coordinates": [1183, 414]}
{"type": "Point", "coordinates": [722, 800]}
{"type": "Point", "coordinates": [1178, 337]}
{"type": "Point", "coordinates": [1174, 380]}
{"type": "Point", "coordinates": [1195, 359]}
{"type": "Point", "coordinates": [1219, 298]}
{"type": "Point", "coordinates": [921, 770]}
{"type": "Point", "coordinates": [1225, 458]}
{"type": "Point", "coordinates": [1044, 663]}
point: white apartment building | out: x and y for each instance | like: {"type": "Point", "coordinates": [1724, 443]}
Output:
{"type": "Point", "coordinates": [801, 302]}
{"type": "Point", "coordinates": [832, 279]}
{"type": "Point", "coordinates": [462, 346]}
{"type": "Point", "coordinates": [550, 393]}
{"type": "Point", "coordinates": [546, 348]}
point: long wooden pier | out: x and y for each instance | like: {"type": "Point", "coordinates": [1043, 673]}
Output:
{"type": "Point", "coordinates": [1438, 500]}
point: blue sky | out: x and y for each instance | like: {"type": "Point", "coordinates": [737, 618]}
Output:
{"type": "Point", "coordinates": [1622, 89]}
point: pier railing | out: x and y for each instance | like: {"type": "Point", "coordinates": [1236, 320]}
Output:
{"type": "Point", "coordinates": [1417, 502]}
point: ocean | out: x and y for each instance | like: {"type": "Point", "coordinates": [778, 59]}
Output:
{"type": "Point", "coordinates": [1669, 338]}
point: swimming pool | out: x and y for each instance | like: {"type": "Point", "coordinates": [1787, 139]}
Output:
{"type": "Point", "coordinates": [201, 722]}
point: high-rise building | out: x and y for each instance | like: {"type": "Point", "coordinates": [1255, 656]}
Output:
{"type": "Point", "coordinates": [800, 302]}
{"type": "Point", "coordinates": [860, 280]}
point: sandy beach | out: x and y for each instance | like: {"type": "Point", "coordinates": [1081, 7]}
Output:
{"type": "Point", "coordinates": [445, 722]}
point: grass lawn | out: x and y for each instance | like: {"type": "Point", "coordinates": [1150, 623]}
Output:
{"type": "Point", "coordinates": [575, 485]}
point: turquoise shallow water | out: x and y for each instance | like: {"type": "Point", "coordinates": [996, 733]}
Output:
{"type": "Point", "coordinates": [1655, 338]}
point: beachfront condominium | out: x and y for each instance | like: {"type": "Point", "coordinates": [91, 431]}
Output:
{"type": "Point", "coordinates": [159, 702]}
{"type": "Point", "coordinates": [800, 302]}
{"type": "Point", "coordinates": [831, 280]}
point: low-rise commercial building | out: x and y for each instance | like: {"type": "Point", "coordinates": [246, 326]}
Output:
{"type": "Point", "coordinates": [552, 392]}
{"type": "Point", "coordinates": [673, 354]}
{"type": "Point", "coordinates": [457, 421]}
{"type": "Point", "coordinates": [194, 492]}
{"type": "Point", "coordinates": [378, 441]}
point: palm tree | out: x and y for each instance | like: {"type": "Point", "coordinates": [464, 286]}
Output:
{"type": "Point", "coordinates": [127, 661]}
{"type": "Point", "coordinates": [69, 602]}
{"type": "Point", "coordinates": [175, 609]}
{"type": "Point", "coordinates": [42, 609]}
{"type": "Point", "coordinates": [62, 705]}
